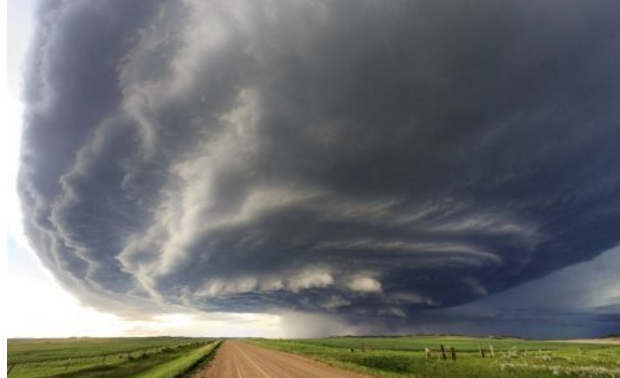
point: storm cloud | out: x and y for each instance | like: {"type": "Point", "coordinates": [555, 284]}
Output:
{"type": "Point", "coordinates": [357, 158]}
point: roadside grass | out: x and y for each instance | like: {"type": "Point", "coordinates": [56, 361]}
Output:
{"type": "Point", "coordinates": [91, 357]}
{"type": "Point", "coordinates": [182, 365]}
{"type": "Point", "coordinates": [397, 357]}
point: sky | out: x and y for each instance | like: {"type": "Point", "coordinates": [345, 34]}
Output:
{"type": "Point", "coordinates": [287, 169]}
{"type": "Point", "coordinates": [40, 306]}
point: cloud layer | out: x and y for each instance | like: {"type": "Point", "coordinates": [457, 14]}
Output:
{"type": "Point", "coordinates": [353, 158]}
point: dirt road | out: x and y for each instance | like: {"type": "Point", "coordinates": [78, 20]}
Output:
{"type": "Point", "coordinates": [241, 360]}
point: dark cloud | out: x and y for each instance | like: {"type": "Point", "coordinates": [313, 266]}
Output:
{"type": "Point", "coordinates": [356, 158]}
{"type": "Point", "coordinates": [582, 300]}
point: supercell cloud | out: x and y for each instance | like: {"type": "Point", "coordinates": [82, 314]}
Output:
{"type": "Point", "coordinates": [357, 158]}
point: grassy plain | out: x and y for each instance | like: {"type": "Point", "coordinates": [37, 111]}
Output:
{"type": "Point", "coordinates": [155, 357]}
{"type": "Point", "coordinates": [396, 357]}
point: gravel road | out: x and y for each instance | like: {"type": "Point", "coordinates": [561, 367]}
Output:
{"type": "Point", "coordinates": [239, 359]}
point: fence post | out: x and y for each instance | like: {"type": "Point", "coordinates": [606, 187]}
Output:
{"type": "Point", "coordinates": [443, 352]}
{"type": "Point", "coordinates": [453, 353]}
{"type": "Point", "coordinates": [427, 353]}
{"type": "Point", "coordinates": [480, 351]}
{"type": "Point", "coordinates": [492, 351]}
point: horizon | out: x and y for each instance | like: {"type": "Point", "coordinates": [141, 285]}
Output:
{"type": "Point", "coordinates": [387, 336]}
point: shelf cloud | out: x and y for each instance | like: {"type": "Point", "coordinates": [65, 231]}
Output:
{"type": "Point", "coordinates": [354, 158]}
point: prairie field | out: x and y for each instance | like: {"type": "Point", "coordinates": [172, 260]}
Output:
{"type": "Point", "coordinates": [391, 357]}
{"type": "Point", "coordinates": [406, 357]}
{"type": "Point", "coordinates": [153, 357]}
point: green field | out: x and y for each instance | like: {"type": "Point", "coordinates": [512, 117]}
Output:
{"type": "Point", "coordinates": [167, 357]}
{"type": "Point", "coordinates": [405, 356]}
{"type": "Point", "coordinates": [153, 357]}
